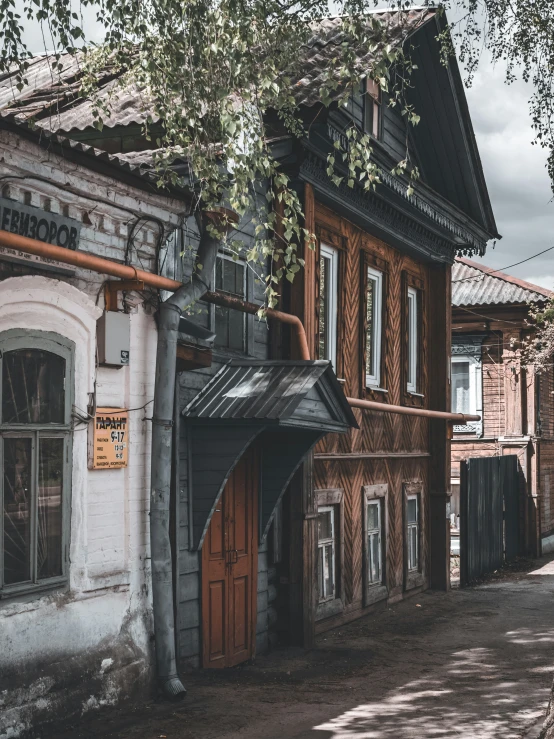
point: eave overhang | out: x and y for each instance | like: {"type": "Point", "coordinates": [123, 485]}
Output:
{"type": "Point", "coordinates": [283, 407]}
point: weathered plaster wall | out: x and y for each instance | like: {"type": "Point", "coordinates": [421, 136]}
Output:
{"type": "Point", "coordinates": [70, 651]}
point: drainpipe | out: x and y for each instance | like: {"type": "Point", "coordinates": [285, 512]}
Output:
{"type": "Point", "coordinates": [169, 313]}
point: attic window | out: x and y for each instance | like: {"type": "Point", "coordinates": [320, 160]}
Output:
{"type": "Point", "coordinates": [364, 106]}
{"type": "Point", "coordinates": [373, 108]}
{"type": "Point", "coordinates": [355, 105]}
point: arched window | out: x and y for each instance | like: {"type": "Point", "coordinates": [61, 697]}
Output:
{"type": "Point", "coordinates": [36, 383]}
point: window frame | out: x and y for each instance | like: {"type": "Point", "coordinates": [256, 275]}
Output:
{"type": "Point", "coordinates": [332, 254]}
{"type": "Point", "coordinates": [413, 336]}
{"type": "Point", "coordinates": [413, 526]}
{"type": "Point", "coordinates": [334, 499]}
{"type": "Point", "coordinates": [370, 534]}
{"type": "Point", "coordinates": [375, 591]}
{"type": "Point", "coordinates": [246, 350]}
{"type": "Point", "coordinates": [322, 546]}
{"type": "Point", "coordinates": [414, 576]}
{"type": "Point", "coordinates": [377, 276]}
{"type": "Point", "coordinates": [373, 103]}
{"type": "Point", "coordinates": [21, 339]}
{"type": "Point", "coordinates": [461, 353]}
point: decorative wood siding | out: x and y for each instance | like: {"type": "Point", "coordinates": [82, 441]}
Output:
{"type": "Point", "coordinates": [400, 443]}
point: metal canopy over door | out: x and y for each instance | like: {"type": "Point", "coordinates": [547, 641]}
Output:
{"type": "Point", "coordinates": [229, 570]}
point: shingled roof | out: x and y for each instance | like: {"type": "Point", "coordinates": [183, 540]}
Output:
{"type": "Point", "coordinates": [478, 285]}
{"type": "Point", "coordinates": [384, 28]}
{"type": "Point", "coordinates": [53, 99]}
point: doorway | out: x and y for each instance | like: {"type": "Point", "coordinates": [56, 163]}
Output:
{"type": "Point", "coordinates": [230, 570]}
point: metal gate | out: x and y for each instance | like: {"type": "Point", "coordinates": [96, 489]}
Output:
{"type": "Point", "coordinates": [489, 515]}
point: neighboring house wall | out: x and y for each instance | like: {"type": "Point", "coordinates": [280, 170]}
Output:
{"type": "Point", "coordinates": [77, 647]}
{"type": "Point", "coordinates": [517, 405]}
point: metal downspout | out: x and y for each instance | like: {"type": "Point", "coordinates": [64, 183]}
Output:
{"type": "Point", "coordinates": [169, 313]}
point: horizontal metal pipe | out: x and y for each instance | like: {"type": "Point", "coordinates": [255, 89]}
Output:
{"type": "Point", "coordinates": [237, 304]}
{"type": "Point", "coordinates": [86, 261]}
{"type": "Point", "coordinates": [124, 272]}
{"type": "Point", "coordinates": [405, 410]}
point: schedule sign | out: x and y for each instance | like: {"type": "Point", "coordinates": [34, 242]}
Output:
{"type": "Point", "coordinates": [110, 439]}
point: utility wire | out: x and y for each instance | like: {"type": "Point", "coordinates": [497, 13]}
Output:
{"type": "Point", "coordinates": [501, 269]}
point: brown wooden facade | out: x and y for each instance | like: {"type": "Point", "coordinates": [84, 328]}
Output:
{"type": "Point", "coordinates": [517, 404]}
{"type": "Point", "coordinates": [392, 454]}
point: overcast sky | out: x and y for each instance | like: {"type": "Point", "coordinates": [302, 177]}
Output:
{"type": "Point", "coordinates": [518, 183]}
{"type": "Point", "coordinates": [515, 171]}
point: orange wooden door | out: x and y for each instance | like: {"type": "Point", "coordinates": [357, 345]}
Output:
{"type": "Point", "coordinates": [230, 571]}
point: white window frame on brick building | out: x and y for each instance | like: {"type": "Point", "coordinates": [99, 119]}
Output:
{"type": "Point", "coordinates": [467, 350]}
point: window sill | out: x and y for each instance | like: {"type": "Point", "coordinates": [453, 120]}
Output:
{"type": "Point", "coordinates": [414, 400]}
{"type": "Point", "coordinates": [28, 592]}
{"type": "Point", "coordinates": [375, 593]}
{"type": "Point", "coordinates": [375, 389]}
{"type": "Point", "coordinates": [414, 580]}
{"type": "Point", "coordinates": [329, 608]}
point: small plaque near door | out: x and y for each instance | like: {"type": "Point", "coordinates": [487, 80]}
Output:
{"type": "Point", "coordinates": [110, 443]}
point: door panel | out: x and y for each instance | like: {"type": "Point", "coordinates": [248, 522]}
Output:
{"type": "Point", "coordinates": [217, 622]}
{"type": "Point", "coordinates": [229, 570]}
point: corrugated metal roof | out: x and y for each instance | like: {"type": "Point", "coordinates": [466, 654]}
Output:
{"type": "Point", "coordinates": [477, 284]}
{"type": "Point", "coordinates": [137, 164]}
{"type": "Point", "coordinates": [263, 390]}
{"type": "Point", "coordinates": [53, 98]}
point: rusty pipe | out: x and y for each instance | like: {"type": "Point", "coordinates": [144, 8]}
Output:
{"type": "Point", "coordinates": [108, 267]}
{"type": "Point", "coordinates": [124, 272]}
{"type": "Point", "coordinates": [237, 304]}
{"type": "Point", "coordinates": [372, 405]}
{"type": "Point", "coordinates": [86, 261]}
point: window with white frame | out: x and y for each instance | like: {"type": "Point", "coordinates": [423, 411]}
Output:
{"type": "Point", "coordinates": [412, 520]}
{"type": "Point", "coordinates": [230, 325]}
{"type": "Point", "coordinates": [374, 525]}
{"type": "Point", "coordinates": [326, 546]}
{"type": "Point", "coordinates": [36, 384]}
{"type": "Point", "coordinates": [466, 382]}
{"type": "Point", "coordinates": [328, 295]}
{"type": "Point", "coordinates": [374, 320]}
{"type": "Point", "coordinates": [413, 340]}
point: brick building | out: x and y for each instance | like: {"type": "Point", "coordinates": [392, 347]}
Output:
{"type": "Point", "coordinates": [490, 312]}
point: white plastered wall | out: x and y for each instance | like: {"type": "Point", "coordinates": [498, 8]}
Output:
{"type": "Point", "coordinates": [65, 652]}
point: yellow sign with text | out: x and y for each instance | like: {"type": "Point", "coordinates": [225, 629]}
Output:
{"type": "Point", "coordinates": [110, 439]}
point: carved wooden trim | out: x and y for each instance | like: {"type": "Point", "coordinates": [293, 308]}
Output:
{"type": "Point", "coordinates": [330, 236]}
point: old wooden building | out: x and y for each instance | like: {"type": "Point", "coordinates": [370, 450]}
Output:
{"type": "Point", "coordinates": [367, 516]}
{"type": "Point", "coordinates": [490, 312]}
{"type": "Point", "coordinates": [310, 480]}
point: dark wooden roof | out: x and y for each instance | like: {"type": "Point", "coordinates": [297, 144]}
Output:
{"type": "Point", "coordinates": [384, 28]}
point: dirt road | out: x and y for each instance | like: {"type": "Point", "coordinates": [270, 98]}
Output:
{"type": "Point", "coordinates": [473, 664]}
